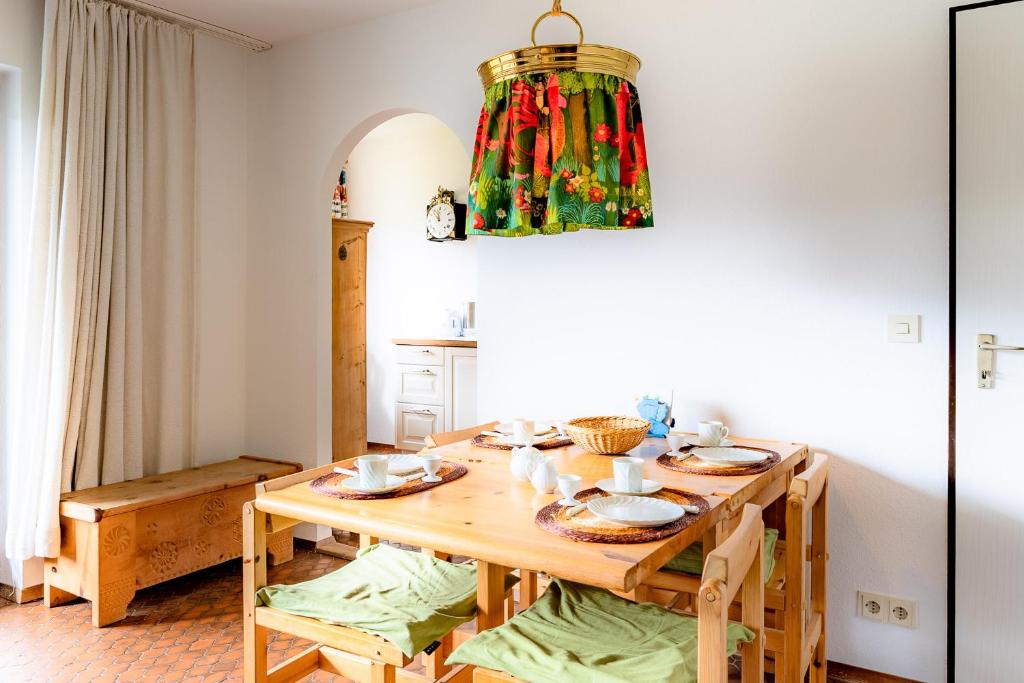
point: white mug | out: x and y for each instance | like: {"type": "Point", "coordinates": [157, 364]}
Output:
{"type": "Point", "coordinates": [373, 471]}
{"type": "Point", "coordinates": [523, 432]}
{"type": "Point", "coordinates": [628, 473]}
{"type": "Point", "coordinates": [711, 432]}
{"type": "Point", "coordinates": [675, 441]}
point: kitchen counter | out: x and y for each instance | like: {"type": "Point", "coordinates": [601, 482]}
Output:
{"type": "Point", "coordinates": [462, 342]}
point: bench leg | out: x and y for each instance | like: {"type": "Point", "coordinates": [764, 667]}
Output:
{"type": "Point", "coordinates": [280, 547]}
{"type": "Point", "coordinates": [112, 587]}
{"type": "Point", "coordinates": [54, 597]}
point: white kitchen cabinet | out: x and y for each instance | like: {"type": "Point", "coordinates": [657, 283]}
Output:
{"type": "Point", "coordinates": [413, 423]}
{"type": "Point", "coordinates": [460, 388]}
{"type": "Point", "coordinates": [436, 389]}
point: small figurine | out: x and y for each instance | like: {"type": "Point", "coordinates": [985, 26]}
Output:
{"type": "Point", "coordinates": [339, 203]}
{"type": "Point", "coordinates": [658, 413]}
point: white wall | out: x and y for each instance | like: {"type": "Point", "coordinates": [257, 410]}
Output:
{"type": "Point", "coordinates": [21, 35]}
{"type": "Point", "coordinates": [221, 232]}
{"type": "Point", "coordinates": [798, 154]}
{"type": "Point", "coordinates": [393, 172]}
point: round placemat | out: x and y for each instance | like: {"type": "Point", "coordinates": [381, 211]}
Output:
{"type": "Point", "coordinates": [590, 528]}
{"type": "Point", "coordinates": [330, 484]}
{"type": "Point", "coordinates": [697, 466]}
{"type": "Point", "coordinates": [485, 441]}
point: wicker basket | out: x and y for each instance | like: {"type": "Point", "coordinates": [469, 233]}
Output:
{"type": "Point", "coordinates": [607, 435]}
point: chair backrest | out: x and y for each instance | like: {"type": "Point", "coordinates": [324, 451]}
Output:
{"type": "Point", "coordinates": [808, 493]}
{"type": "Point", "coordinates": [445, 438]}
{"type": "Point", "coordinates": [735, 565]}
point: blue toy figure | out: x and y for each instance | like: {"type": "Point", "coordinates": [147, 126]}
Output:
{"type": "Point", "coordinates": [655, 411]}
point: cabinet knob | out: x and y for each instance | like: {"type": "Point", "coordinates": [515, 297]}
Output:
{"type": "Point", "coordinates": [342, 252]}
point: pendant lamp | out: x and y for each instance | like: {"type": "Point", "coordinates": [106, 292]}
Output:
{"type": "Point", "coordinates": [560, 141]}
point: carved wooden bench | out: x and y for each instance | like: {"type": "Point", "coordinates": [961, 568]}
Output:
{"type": "Point", "coordinates": [118, 538]}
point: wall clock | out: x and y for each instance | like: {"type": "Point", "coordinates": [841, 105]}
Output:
{"type": "Point", "coordinates": [446, 220]}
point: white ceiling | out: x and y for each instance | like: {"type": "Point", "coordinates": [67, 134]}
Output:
{"type": "Point", "coordinates": [278, 20]}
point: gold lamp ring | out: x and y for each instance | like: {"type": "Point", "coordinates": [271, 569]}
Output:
{"type": "Point", "coordinates": [533, 31]}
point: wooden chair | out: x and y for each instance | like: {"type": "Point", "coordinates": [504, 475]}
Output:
{"type": "Point", "coordinates": [733, 569]}
{"type": "Point", "coordinates": [347, 652]}
{"type": "Point", "coordinates": [792, 628]}
{"type": "Point", "coordinates": [802, 638]}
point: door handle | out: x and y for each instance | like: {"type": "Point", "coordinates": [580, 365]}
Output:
{"type": "Point", "coordinates": [986, 358]}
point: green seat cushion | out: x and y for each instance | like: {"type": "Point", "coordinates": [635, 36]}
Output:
{"type": "Point", "coordinates": [691, 559]}
{"type": "Point", "coordinates": [407, 598]}
{"type": "Point", "coordinates": [575, 633]}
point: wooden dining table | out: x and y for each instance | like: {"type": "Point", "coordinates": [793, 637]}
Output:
{"type": "Point", "coordinates": [489, 516]}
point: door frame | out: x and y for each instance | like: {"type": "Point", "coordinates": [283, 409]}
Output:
{"type": "Point", "coordinates": [951, 481]}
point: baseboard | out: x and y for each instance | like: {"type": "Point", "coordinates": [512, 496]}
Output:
{"type": "Point", "coordinates": [844, 673]}
{"type": "Point", "coordinates": [21, 595]}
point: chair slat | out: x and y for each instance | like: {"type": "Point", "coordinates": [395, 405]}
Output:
{"type": "Point", "coordinates": [338, 637]}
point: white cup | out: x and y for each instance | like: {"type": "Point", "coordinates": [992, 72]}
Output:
{"type": "Point", "coordinates": [711, 433]}
{"type": "Point", "coordinates": [569, 485]}
{"type": "Point", "coordinates": [431, 463]}
{"type": "Point", "coordinates": [523, 431]}
{"type": "Point", "coordinates": [675, 441]}
{"type": "Point", "coordinates": [373, 471]}
{"type": "Point", "coordinates": [628, 473]}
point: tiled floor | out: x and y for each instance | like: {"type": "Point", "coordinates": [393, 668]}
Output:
{"type": "Point", "coordinates": [188, 629]}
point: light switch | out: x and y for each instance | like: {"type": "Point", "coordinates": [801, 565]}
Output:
{"type": "Point", "coordinates": [904, 329]}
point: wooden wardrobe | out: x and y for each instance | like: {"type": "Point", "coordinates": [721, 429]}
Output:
{"type": "Point", "coordinates": [348, 335]}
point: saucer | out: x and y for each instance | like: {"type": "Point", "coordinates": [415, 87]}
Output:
{"type": "Point", "coordinates": [393, 482]}
{"type": "Point", "coordinates": [648, 487]}
{"type": "Point", "coordinates": [538, 428]}
{"type": "Point", "coordinates": [724, 443]}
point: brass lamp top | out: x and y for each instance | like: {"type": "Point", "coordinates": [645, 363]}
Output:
{"type": "Point", "coordinates": [581, 56]}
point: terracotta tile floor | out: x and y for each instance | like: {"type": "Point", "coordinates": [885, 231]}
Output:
{"type": "Point", "coordinates": [188, 629]}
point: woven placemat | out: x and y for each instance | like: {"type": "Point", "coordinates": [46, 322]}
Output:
{"type": "Point", "coordinates": [330, 484]}
{"type": "Point", "coordinates": [697, 466]}
{"type": "Point", "coordinates": [590, 528]}
{"type": "Point", "coordinates": [485, 441]}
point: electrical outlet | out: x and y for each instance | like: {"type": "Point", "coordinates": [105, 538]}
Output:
{"type": "Point", "coordinates": [873, 606]}
{"type": "Point", "coordinates": [903, 612]}
{"type": "Point", "coordinates": [885, 609]}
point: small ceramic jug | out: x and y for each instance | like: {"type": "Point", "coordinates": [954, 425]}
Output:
{"type": "Point", "coordinates": [544, 477]}
{"type": "Point", "coordinates": [524, 460]}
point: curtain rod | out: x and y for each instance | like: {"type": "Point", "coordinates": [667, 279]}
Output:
{"type": "Point", "coordinates": [254, 44]}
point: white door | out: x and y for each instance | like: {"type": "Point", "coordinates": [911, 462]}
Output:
{"type": "Point", "coordinates": [989, 300]}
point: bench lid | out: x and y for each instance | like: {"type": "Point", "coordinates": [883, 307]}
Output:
{"type": "Point", "coordinates": [92, 504]}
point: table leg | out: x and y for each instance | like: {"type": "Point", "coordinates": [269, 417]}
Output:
{"type": "Point", "coordinates": [527, 588]}
{"type": "Point", "coordinates": [490, 595]}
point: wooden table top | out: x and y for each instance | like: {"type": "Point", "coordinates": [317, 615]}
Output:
{"type": "Point", "coordinates": [488, 515]}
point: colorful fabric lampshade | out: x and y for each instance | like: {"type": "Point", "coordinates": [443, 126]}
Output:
{"type": "Point", "coordinates": [560, 142]}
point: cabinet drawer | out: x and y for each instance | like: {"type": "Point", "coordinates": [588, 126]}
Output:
{"type": "Point", "coordinates": [414, 423]}
{"type": "Point", "coordinates": [421, 384]}
{"type": "Point", "coordinates": [419, 355]}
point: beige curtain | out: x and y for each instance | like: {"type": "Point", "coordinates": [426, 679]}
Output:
{"type": "Point", "coordinates": [109, 345]}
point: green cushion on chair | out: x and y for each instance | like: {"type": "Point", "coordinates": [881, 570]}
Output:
{"type": "Point", "coordinates": [407, 598]}
{"type": "Point", "coordinates": [576, 633]}
{"type": "Point", "coordinates": [691, 559]}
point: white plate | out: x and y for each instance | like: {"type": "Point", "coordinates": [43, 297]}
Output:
{"type": "Point", "coordinates": [403, 464]}
{"type": "Point", "coordinates": [725, 443]}
{"type": "Point", "coordinates": [635, 511]}
{"type": "Point", "coordinates": [538, 428]}
{"type": "Point", "coordinates": [393, 482]}
{"type": "Point", "coordinates": [648, 487]}
{"type": "Point", "coordinates": [729, 456]}
{"type": "Point", "coordinates": [509, 440]}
